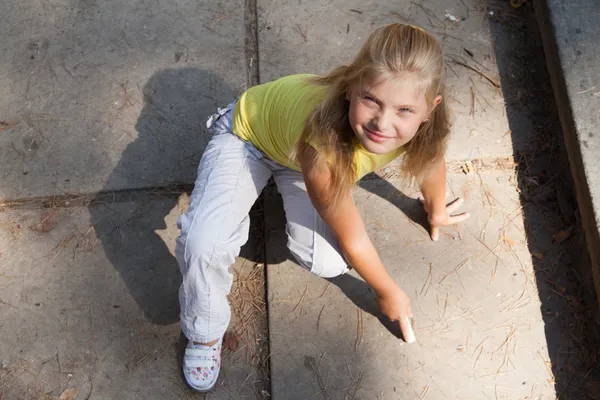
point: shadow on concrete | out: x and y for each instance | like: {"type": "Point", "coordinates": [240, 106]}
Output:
{"type": "Point", "coordinates": [354, 289]}
{"type": "Point", "coordinates": [176, 106]}
{"type": "Point", "coordinates": [562, 275]}
{"type": "Point", "coordinates": [364, 297]}
{"type": "Point", "coordinates": [410, 207]}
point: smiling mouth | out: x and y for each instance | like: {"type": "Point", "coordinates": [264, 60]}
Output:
{"type": "Point", "coordinates": [376, 136]}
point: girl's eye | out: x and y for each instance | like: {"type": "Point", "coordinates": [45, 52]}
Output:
{"type": "Point", "coordinates": [369, 99]}
{"type": "Point", "coordinates": [405, 110]}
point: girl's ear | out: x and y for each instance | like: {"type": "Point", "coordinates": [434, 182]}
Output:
{"type": "Point", "coordinates": [436, 102]}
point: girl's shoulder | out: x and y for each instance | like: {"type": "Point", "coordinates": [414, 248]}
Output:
{"type": "Point", "coordinates": [295, 79]}
{"type": "Point", "coordinates": [297, 83]}
{"type": "Point", "coordinates": [286, 83]}
{"type": "Point", "coordinates": [294, 91]}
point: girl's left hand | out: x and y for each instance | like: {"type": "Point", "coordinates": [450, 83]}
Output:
{"type": "Point", "coordinates": [443, 217]}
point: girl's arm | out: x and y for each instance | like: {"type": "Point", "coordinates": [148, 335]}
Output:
{"type": "Point", "coordinates": [433, 189]}
{"type": "Point", "coordinates": [347, 225]}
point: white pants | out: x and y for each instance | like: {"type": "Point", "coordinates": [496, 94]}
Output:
{"type": "Point", "coordinates": [231, 176]}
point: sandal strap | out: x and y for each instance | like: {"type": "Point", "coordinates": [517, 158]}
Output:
{"type": "Point", "coordinates": [194, 352]}
{"type": "Point", "coordinates": [196, 362]}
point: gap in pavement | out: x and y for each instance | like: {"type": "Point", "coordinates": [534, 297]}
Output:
{"type": "Point", "coordinates": [100, 266]}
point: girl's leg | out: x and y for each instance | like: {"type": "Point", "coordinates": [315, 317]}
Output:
{"type": "Point", "coordinates": [215, 226]}
{"type": "Point", "coordinates": [310, 239]}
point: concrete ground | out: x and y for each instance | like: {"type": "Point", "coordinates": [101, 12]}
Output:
{"type": "Point", "coordinates": [571, 48]}
{"type": "Point", "coordinates": [102, 126]}
{"type": "Point", "coordinates": [89, 301]}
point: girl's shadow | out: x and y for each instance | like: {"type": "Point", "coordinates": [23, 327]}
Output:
{"type": "Point", "coordinates": [156, 168]}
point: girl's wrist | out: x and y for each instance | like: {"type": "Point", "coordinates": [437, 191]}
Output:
{"type": "Point", "coordinates": [435, 204]}
{"type": "Point", "coordinates": [438, 207]}
{"type": "Point", "coordinates": [386, 289]}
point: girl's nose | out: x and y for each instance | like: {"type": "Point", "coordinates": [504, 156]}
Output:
{"type": "Point", "coordinates": [381, 122]}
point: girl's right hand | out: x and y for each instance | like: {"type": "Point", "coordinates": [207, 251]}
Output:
{"type": "Point", "coordinates": [396, 306]}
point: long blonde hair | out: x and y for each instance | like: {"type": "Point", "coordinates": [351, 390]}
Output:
{"type": "Point", "coordinates": [389, 51]}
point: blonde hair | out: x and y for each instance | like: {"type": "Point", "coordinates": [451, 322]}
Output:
{"type": "Point", "coordinates": [389, 52]}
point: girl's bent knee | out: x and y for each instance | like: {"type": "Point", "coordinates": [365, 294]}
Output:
{"type": "Point", "coordinates": [332, 269]}
{"type": "Point", "coordinates": [327, 263]}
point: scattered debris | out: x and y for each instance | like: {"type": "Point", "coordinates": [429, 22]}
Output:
{"type": "Point", "coordinates": [48, 221]}
{"type": "Point", "coordinates": [508, 241]}
{"type": "Point", "coordinates": [473, 99]}
{"type": "Point", "coordinates": [563, 235]}
{"type": "Point", "coordinates": [319, 317]}
{"type": "Point", "coordinates": [249, 308]}
{"type": "Point", "coordinates": [483, 165]}
{"type": "Point", "coordinates": [449, 16]}
{"type": "Point", "coordinates": [467, 167]}
{"type": "Point", "coordinates": [7, 125]}
{"type": "Point", "coordinates": [517, 3]}
{"type": "Point", "coordinates": [454, 270]}
{"type": "Point", "coordinates": [231, 341]}
{"type": "Point", "coordinates": [427, 280]}
{"type": "Point", "coordinates": [311, 364]}
{"type": "Point", "coordinates": [303, 32]}
{"type": "Point", "coordinates": [587, 90]}
{"type": "Point", "coordinates": [493, 81]}
{"type": "Point", "coordinates": [359, 330]}
{"type": "Point", "coordinates": [538, 255]}
{"type": "Point", "coordinates": [69, 394]}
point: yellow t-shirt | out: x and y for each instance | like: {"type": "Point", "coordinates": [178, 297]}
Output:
{"type": "Point", "coordinates": [271, 116]}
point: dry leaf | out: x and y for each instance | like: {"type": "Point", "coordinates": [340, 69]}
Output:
{"type": "Point", "coordinates": [48, 221]}
{"type": "Point", "coordinates": [539, 255]}
{"type": "Point", "coordinates": [517, 3]}
{"type": "Point", "coordinates": [561, 236]}
{"type": "Point", "coordinates": [69, 394]}
{"type": "Point", "coordinates": [230, 341]}
{"type": "Point", "coordinates": [509, 241]}
{"type": "Point", "coordinates": [183, 202]}
{"type": "Point", "coordinates": [7, 124]}
{"type": "Point", "coordinates": [592, 390]}
{"type": "Point", "coordinates": [467, 167]}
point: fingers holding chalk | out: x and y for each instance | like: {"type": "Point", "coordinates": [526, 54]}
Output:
{"type": "Point", "coordinates": [406, 325]}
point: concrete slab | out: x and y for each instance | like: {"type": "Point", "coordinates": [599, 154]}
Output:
{"type": "Point", "coordinates": [313, 36]}
{"type": "Point", "coordinates": [570, 32]}
{"type": "Point", "coordinates": [476, 296]}
{"type": "Point", "coordinates": [88, 300]}
{"type": "Point", "coordinates": [112, 95]}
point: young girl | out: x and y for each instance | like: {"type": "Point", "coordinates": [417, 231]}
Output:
{"type": "Point", "coordinates": [316, 136]}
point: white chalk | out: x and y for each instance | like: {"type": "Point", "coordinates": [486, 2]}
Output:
{"type": "Point", "coordinates": [410, 336]}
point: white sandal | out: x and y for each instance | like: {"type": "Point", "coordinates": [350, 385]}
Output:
{"type": "Point", "coordinates": [201, 365]}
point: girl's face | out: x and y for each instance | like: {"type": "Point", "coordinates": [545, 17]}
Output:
{"type": "Point", "coordinates": [386, 114]}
